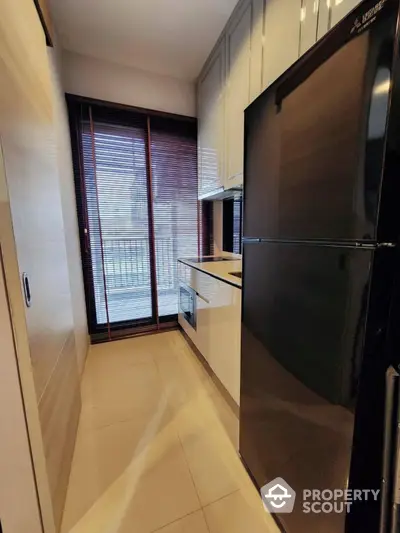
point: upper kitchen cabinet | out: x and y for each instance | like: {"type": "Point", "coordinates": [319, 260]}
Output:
{"type": "Point", "coordinates": [211, 88]}
{"type": "Point", "coordinates": [340, 8]}
{"type": "Point", "coordinates": [243, 84]}
{"type": "Point", "coordinates": [331, 12]}
{"type": "Point", "coordinates": [324, 17]}
{"type": "Point", "coordinates": [308, 24]}
{"type": "Point", "coordinates": [281, 37]}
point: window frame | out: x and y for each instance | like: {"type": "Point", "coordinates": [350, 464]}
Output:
{"type": "Point", "coordinates": [74, 105]}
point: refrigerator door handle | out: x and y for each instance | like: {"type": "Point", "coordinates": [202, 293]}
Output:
{"type": "Point", "coordinates": [390, 487]}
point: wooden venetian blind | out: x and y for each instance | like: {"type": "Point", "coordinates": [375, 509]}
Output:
{"type": "Point", "coordinates": [237, 226]}
{"type": "Point", "coordinates": [136, 178]}
{"type": "Point", "coordinates": [173, 149]}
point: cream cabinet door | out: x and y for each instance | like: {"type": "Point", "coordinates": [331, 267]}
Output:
{"type": "Point", "coordinates": [203, 325]}
{"type": "Point", "coordinates": [331, 12]}
{"type": "Point", "coordinates": [324, 17]}
{"type": "Point", "coordinates": [206, 288]}
{"type": "Point", "coordinates": [281, 37]}
{"type": "Point", "coordinates": [219, 328]}
{"type": "Point", "coordinates": [340, 8]}
{"type": "Point", "coordinates": [257, 39]}
{"type": "Point", "coordinates": [238, 39]}
{"type": "Point", "coordinates": [225, 334]}
{"type": "Point", "coordinates": [211, 124]}
{"type": "Point", "coordinates": [308, 25]}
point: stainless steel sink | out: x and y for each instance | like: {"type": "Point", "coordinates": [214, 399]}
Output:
{"type": "Point", "coordinates": [237, 274]}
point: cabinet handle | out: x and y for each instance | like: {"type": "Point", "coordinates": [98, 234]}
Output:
{"type": "Point", "coordinates": [202, 298]}
{"type": "Point", "coordinates": [27, 289]}
{"type": "Point", "coordinates": [235, 176]}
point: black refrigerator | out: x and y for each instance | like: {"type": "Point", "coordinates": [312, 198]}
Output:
{"type": "Point", "coordinates": [320, 309]}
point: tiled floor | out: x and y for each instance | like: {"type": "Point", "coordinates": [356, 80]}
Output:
{"type": "Point", "coordinates": [155, 450]}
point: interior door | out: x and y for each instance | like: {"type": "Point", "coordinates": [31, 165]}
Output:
{"type": "Point", "coordinates": [19, 509]}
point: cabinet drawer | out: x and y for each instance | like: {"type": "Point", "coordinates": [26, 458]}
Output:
{"type": "Point", "coordinates": [206, 286]}
{"type": "Point", "coordinates": [184, 273]}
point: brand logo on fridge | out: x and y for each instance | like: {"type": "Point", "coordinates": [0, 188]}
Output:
{"type": "Point", "coordinates": [278, 496]}
{"type": "Point", "coordinates": [368, 17]}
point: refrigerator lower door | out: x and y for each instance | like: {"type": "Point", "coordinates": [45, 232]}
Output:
{"type": "Point", "coordinates": [390, 500]}
{"type": "Point", "coordinates": [312, 381]}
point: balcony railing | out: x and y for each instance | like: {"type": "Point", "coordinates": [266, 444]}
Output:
{"type": "Point", "coordinates": [127, 264]}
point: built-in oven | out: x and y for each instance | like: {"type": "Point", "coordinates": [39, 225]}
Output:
{"type": "Point", "coordinates": [187, 304]}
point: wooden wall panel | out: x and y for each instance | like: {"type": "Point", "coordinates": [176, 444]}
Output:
{"type": "Point", "coordinates": [59, 410]}
{"type": "Point", "coordinates": [28, 139]}
{"type": "Point", "coordinates": [17, 307]}
{"type": "Point", "coordinates": [17, 480]}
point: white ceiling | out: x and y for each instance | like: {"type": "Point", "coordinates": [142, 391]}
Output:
{"type": "Point", "coordinates": [171, 37]}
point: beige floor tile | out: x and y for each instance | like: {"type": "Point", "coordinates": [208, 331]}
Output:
{"type": "Point", "coordinates": [115, 394]}
{"type": "Point", "coordinates": [205, 424]}
{"type": "Point", "coordinates": [213, 461]}
{"type": "Point", "coordinates": [126, 477]}
{"type": "Point", "coordinates": [178, 349]}
{"type": "Point", "coordinates": [155, 437]}
{"type": "Point", "coordinates": [125, 352]}
{"type": "Point", "coordinates": [180, 381]}
{"type": "Point", "coordinates": [166, 494]}
{"type": "Point", "coordinates": [193, 523]}
{"type": "Point", "coordinates": [240, 512]}
{"type": "Point", "coordinates": [228, 419]}
{"type": "Point", "coordinates": [103, 455]}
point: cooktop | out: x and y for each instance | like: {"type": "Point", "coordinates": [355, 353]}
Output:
{"type": "Point", "coordinates": [208, 259]}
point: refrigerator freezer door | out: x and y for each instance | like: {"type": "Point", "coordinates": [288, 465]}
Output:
{"type": "Point", "coordinates": [305, 358]}
{"type": "Point", "coordinates": [315, 145]}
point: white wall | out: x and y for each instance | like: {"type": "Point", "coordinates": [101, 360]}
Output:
{"type": "Point", "coordinates": [94, 78]}
{"type": "Point", "coordinates": [68, 201]}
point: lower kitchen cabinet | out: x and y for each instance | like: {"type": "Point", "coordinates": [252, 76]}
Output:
{"type": "Point", "coordinates": [224, 335]}
{"type": "Point", "coordinates": [218, 325]}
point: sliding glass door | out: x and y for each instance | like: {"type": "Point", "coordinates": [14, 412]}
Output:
{"type": "Point", "coordinates": [136, 182]}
